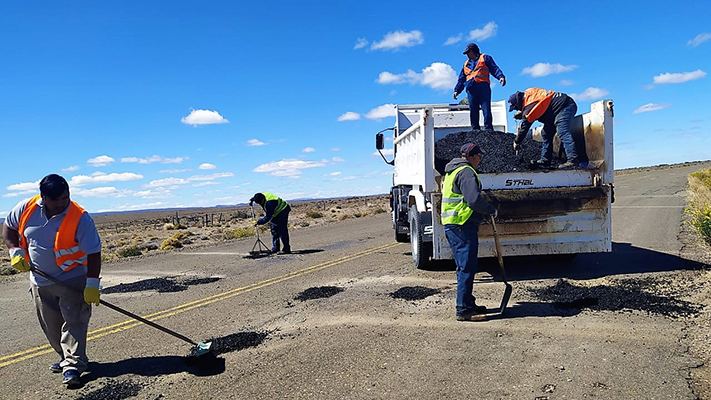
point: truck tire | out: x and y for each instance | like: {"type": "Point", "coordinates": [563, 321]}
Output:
{"type": "Point", "coordinates": [421, 250]}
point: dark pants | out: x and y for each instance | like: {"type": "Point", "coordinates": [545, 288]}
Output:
{"type": "Point", "coordinates": [479, 96]}
{"type": "Point", "coordinates": [280, 230]}
{"type": "Point", "coordinates": [464, 241]}
{"type": "Point", "coordinates": [561, 125]}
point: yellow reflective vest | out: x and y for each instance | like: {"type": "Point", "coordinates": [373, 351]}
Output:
{"type": "Point", "coordinates": [455, 209]}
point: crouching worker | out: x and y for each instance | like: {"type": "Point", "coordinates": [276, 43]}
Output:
{"type": "Point", "coordinates": [54, 235]}
{"type": "Point", "coordinates": [277, 213]}
{"type": "Point", "coordinates": [463, 210]}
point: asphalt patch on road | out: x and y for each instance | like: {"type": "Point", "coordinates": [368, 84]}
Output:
{"type": "Point", "coordinates": [319, 292]}
{"type": "Point", "coordinates": [641, 294]}
{"type": "Point", "coordinates": [115, 390]}
{"type": "Point", "coordinates": [414, 293]}
{"type": "Point", "coordinates": [237, 341]}
{"type": "Point", "coordinates": [162, 285]}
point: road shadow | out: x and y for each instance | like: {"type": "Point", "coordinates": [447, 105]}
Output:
{"type": "Point", "coordinates": [270, 254]}
{"type": "Point", "coordinates": [153, 366]}
{"type": "Point", "coordinates": [624, 259]}
{"type": "Point", "coordinates": [534, 309]}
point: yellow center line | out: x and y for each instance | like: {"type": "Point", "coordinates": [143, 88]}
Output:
{"type": "Point", "coordinates": [131, 323]}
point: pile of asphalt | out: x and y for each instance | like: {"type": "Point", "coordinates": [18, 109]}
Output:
{"type": "Point", "coordinates": [237, 341]}
{"type": "Point", "coordinates": [318, 293]}
{"type": "Point", "coordinates": [500, 156]}
{"type": "Point", "coordinates": [641, 294]}
{"type": "Point", "coordinates": [162, 285]}
{"type": "Point", "coordinates": [413, 293]}
{"type": "Point", "coordinates": [115, 390]}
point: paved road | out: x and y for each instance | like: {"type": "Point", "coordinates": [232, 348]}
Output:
{"type": "Point", "coordinates": [365, 343]}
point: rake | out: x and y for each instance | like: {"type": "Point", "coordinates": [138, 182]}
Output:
{"type": "Point", "coordinates": [259, 248]}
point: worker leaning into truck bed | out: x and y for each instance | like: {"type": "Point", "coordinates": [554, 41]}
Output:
{"type": "Point", "coordinates": [556, 111]}
{"type": "Point", "coordinates": [277, 213]}
{"type": "Point", "coordinates": [474, 77]}
{"type": "Point", "coordinates": [463, 210]}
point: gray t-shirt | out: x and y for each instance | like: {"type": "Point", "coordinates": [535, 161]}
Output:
{"type": "Point", "coordinates": [41, 232]}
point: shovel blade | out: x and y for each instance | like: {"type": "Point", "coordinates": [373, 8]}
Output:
{"type": "Point", "coordinates": [505, 299]}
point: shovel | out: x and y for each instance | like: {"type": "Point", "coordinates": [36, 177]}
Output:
{"type": "Point", "coordinates": [198, 350]}
{"type": "Point", "coordinates": [259, 248]}
{"type": "Point", "coordinates": [507, 291]}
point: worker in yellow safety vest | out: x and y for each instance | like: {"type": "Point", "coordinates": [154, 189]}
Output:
{"type": "Point", "coordinates": [276, 212]}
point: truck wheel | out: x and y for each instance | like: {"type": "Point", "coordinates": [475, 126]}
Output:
{"type": "Point", "coordinates": [421, 250]}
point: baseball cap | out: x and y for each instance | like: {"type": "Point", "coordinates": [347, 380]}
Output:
{"type": "Point", "coordinates": [514, 103]}
{"type": "Point", "coordinates": [471, 46]}
{"type": "Point", "coordinates": [471, 149]}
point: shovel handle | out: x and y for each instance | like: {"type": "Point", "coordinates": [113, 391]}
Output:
{"type": "Point", "coordinates": [498, 249]}
{"type": "Point", "coordinates": [117, 308]}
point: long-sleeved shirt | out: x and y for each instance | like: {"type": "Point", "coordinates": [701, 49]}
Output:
{"type": "Point", "coordinates": [467, 184]}
{"type": "Point", "coordinates": [558, 103]}
{"type": "Point", "coordinates": [494, 70]}
{"type": "Point", "coordinates": [269, 208]}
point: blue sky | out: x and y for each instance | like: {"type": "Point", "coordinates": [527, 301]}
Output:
{"type": "Point", "coordinates": [157, 104]}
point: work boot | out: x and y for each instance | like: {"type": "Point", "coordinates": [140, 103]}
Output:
{"type": "Point", "coordinates": [568, 165]}
{"type": "Point", "coordinates": [71, 378]}
{"type": "Point", "coordinates": [540, 164]}
{"type": "Point", "coordinates": [56, 368]}
{"type": "Point", "coordinates": [471, 315]}
{"type": "Point", "coordinates": [287, 250]}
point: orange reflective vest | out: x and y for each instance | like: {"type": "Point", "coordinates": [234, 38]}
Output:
{"type": "Point", "coordinates": [66, 248]}
{"type": "Point", "coordinates": [540, 96]}
{"type": "Point", "coordinates": [480, 73]}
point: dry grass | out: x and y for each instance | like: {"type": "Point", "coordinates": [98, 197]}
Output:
{"type": "Point", "coordinates": [699, 203]}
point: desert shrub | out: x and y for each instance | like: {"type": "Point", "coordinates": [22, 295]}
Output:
{"type": "Point", "coordinates": [379, 210]}
{"type": "Point", "coordinates": [237, 233]}
{"type": "Point", "coordinates": [182, 235]}
{"type": "Point", "coordinates": [169, 226]}
{"type": "Point", "coordinates": [130, 251]}
{"type": "Point", "coordinates": [701, 220]}
{"type": "Point", "coordinates": [344, 217]}
{"type": "Point", "coordinates": [170, 243]}
{"type": "Point", "coordinates": [5, 270]}
{"type": "Point", "coordinates": [704, 176]}
{"type": "Point", "coordinates": [150, 246]}
{"type": "Point", "coordinates": [304, 224]}
{"type": "Point", "coordinates": [314, 214]}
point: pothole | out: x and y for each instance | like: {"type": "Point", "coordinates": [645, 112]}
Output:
{"type": "Point", "coordinates": [115, 390]}
{"type": "Point", "coordinates": [318, 293]}
{"type": "Point", "coordinates": [162, 285]}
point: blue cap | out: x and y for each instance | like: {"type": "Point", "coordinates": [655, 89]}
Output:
{"type": "Point", "coordinates": [471, 46]}
{"type": "Point", "coordinates": [515, 101]}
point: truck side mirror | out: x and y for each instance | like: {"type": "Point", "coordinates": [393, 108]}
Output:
{"type": "Point", "coordinates": [379, 144]}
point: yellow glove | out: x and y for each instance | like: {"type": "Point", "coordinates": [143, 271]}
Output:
{"type": "Point", "coordinates": [255, 223]}
{"type": "Point", "coordinates": [18, 260]}
{"type": "Point", "coordinates": [91, 291]}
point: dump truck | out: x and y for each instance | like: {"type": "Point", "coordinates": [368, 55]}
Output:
{"type": "Point", "coordinates": [541, 212]}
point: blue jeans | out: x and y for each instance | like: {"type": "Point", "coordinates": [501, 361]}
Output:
{"type": "Point", "coordinates": [561, 125]}
{"type": "Point", "coordinates": [479, 96]}
{"type": "Point", "coordinates": [280, 230]}
{"type": "Point", "coordinates": [464, 242]}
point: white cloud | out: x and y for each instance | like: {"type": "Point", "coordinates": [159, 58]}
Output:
{"type": "Point", "coordinates": [308, 150]}
{"type": "Point", "coordinates": [567, 82]}
{"type": "Point", "coordinates": [386, 152]}
{"type": "Point", "coordinates": [100, 161]}
{"type": "Point", "coordinates": [167, 182]}
{"type": "Point", "coordinates": [173, 171]}
{"type": "Point", "coordinates": [543, 69]}
{"type": "Point", "coordinates": [24, 186]}
{"type": "Point", "coordinates": [349, 116]}
{"type": "Point", "coordinates": [700, 38]}
{"type": "Point", "coordinates": [453, 40]}
{"type": "Point", "coordinates": [153, 159]}
{"type": "Point", "coordinates": [130, 207]}
{"type": "Point", "coordinates": [398, 39]}
{"type": "Point", "coordinates": [206, 183]}
{"type": "Point", "coordinates": [104, 191]}
{"type": "Point", "coordinates": [345, 178]}
{"type": "Point", "coordinates": [207, 166]}
{"type": "Point", "coordinates": [255, 142]}
{"type": "Point", "coordinates": [203, 117]}
{"type": "Point", "coordinates": [157, 193]}
{"type": "Point", "coordinates": [649, 107]}
{"type": "Point", "coordinates": [71, 169]}
{"type": "Point", "coordinates": [100, 177]}
{"type": "Point", "coordinates": [380, 112]}
{"type": "Point", "coordinates": [288, 167]}
{"type": "Point", "coordinates": [360, 43]}
{"type": "Point", "coordinates": [336, 173]}
{"type": "Point", "coordinates": [438, 76]}
{"type": "Point", "coordinates": [484, 33]}
{"type": "Point", "coordinates": [211, 176]}
{"type": "Point", "coordinates": [679, 77]}
{"type": "Point", "coordinates": [338, 159]}
{"type": "Point", "coordinates": [591, 93]}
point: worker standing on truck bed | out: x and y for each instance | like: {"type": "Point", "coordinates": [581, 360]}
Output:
{"type": "Point", "coordinates": [556, 111]}
{"type": "Point", "coordinates": [474, 77]}
{"type": "Point", "coordinates": [463, 210]}
{"type": "Point", "coordinates": [277, 212]}
{"type": "Point", "coordinates": [54, 235]}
